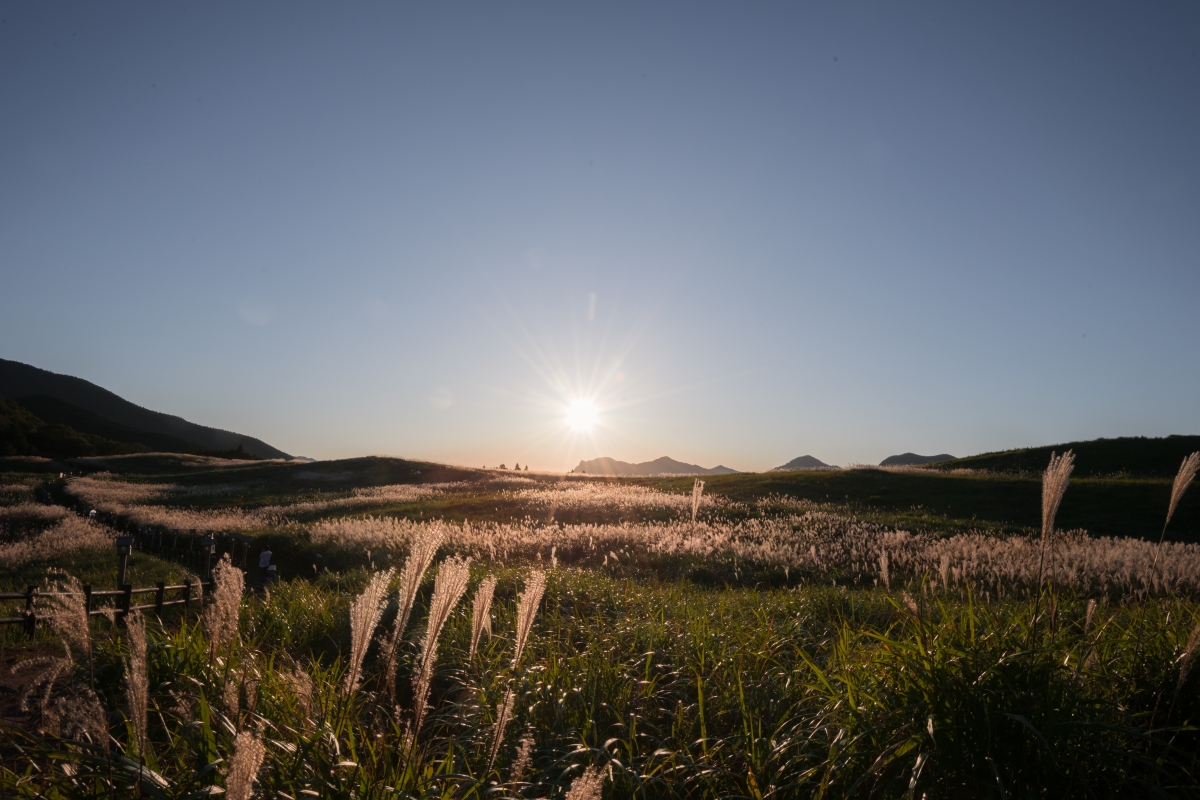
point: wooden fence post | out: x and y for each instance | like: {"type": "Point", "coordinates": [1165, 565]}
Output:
{"type": "Point", "coordinates": [87, 598]}
{"type": "Point", "coordinates": [158, 597]}
{"type": "Point", "coordinates": [126, 599]}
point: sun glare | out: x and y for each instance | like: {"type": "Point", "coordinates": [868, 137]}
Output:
{"type": "Point", "coordinates": [581, 415]}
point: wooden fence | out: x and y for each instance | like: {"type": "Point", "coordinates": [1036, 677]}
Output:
{"type": "Point", "coordinates": [124, 604]}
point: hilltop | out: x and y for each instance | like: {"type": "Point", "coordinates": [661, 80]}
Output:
{"type": "Point", "coordinates": [659, 466]}
{"type": "Point", "coordinates": [65, 416]}
{"type": "Point", "coordinates": [803, 462]}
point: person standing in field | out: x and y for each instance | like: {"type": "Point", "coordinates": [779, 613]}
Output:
{"type": "Point", "coordinates": [264, 561]}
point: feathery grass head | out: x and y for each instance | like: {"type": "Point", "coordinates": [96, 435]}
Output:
{"type": "Point", "coordinates": [423, 547]}
{"type": "Point", "coordinates": [527, 607]}
{"type": "Point", "coordinates": [697, 490]}
{"type": "Point", "coordinates": [221, 616]}
{"type": "Point", "coordinates": [137, 686]}
{"type": "Point", "coordinates": [1054, 485]}
{"type": "Point", "coordinates": [521, 762]}
{"type": "Point", "coordinates": [70, 618]}
{"type": "Point", "coordinates": [448, 588]}
{"type": "Point", "coordinates": [248, 753]}
{"type": "Point", "coordinates": [1187, 471]}
{"type": "Point", "coordinates": [482, 612]}
{"type": "Point", "coordinates": [365, 612]}
{"type": "Point", "coordinates": [588, 786]}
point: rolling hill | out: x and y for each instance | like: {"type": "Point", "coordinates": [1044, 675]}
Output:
{"type": "Point", "coordinates": [659, 466]}
{"type": "Point", "coordinates": [913, 460]}
{"type": "Point", "coordinates": [104, 414]}
{"type": "Point", "coordinates": [1133, 456]}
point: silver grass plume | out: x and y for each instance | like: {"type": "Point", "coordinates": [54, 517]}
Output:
{"type": "Point", "coordinates": [421, 551]}
{"type": "Point", "coordinates": [70, 617]}
{"type": "Point", "coordinates": [452, 577]}
{"type": "Point", "coordinates": [481, 613]}
{"type": "Point", "coordinates": [1187, 471]}
{"type": "Point", "coordinates": [588, 786]}
{"type": "Point", "coordinates": [883, 570]}
{"type": "Point", "coordinates": [527, 607]}
{"type": "Point", "coordinates": [137, 686]}
{"type": "Point", "coordinates": [221, 616]}
{"type": "Point", "coordinates": [248, 755]}
{"type": "Point", "coordinates": [503, 712]}
{"type": "Point", "coordinates": [521, 762]}
{"type": "Point", "coordinates": [80, 717]}
{"type": "Point", "coordinates": [697, 490]}
{"type": "Point", "coordinates": [1188, 660]}
{"type": "Point", "coordinates": [1054, 485]}
{"type": "Point", "coordinates": [365, 612]}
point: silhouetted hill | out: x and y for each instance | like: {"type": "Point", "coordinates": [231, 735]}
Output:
{"type": "Point", "coordinates": [803, 462]}
{"type": "Point", "coordinates": [54, 411]}
{"type": "Point", "coordinates": [913, 460]}
{"type": "Point", "coordinates": [19, 380]}
{"type": "Point", "coordinates": [1136, 456]}
{"type": "Point", "coordinates": [659, 466]}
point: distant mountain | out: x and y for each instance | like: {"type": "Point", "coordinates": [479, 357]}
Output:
{"type": "Point", "coordinates": [1136, 456]}
{"type": "Point", "coordinates": [913, 460]}
{"type": "Point", "coordinates": [40, 388]}
{"type": "Point", "coordinates": [659, 466]}
{"type": "Point", "coordinates": [803, 462]}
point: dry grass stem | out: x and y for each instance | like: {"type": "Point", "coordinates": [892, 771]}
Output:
{"type": "Point", "coordinates": [247, 757]}
{"type": "Point", "coordinates": [70, 618]}
{"type": "Point", "coordinates": [451, 583]}
{"type": "Point", "coordinates": [503, 712]}
{"type": "Point", "coordinates": [137, 686]}
{"type": "Point", "coordinates": [481, 612]}
{"type": "Point", "coordinates": [364, 617]}
{"type": "Point", "coordinates": [697, 490]}
{"type": "Point", "coordinates": [527, 607]}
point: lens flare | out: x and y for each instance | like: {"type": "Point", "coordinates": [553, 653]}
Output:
{"type": "Point", "coordinates": [582, 415]}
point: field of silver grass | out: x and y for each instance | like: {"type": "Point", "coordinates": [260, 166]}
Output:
{"type": "Point", "coordinates": [536, 659]}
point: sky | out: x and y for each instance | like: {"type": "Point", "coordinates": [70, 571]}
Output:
{"type": "Point", "coordinates": [743, 232]}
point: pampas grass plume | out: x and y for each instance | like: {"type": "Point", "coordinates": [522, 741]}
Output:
{"type": "Point", "coordinates": [527, 607]}
{"type": "Point", "coordinates": [248, 756]}
{"type": "Point", "coordinates": [364, 617]}
{"type": "Point", "coordinates": [588, 786]}
{"type": "Point", "coordinates": [1054, 485]}
{"type": "Point", "coordinates": [221, 616]}
{"type": "Point", "coordinates": [449, 587]}
{"type": "Point", "coordinates": [481, 616]}
{"type": "Point", "coordinates": [1187, 471]}
{"type": "Point", "coordinates": [422, 548]}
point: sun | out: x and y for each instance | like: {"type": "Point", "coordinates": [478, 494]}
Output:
{"type": "Point", "coordinates": [582, 415]}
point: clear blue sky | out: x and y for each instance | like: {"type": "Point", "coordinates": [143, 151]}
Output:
{"type": "Point", "coordinates": [748, 231]}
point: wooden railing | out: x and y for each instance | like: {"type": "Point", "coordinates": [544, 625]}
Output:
{"type": "Point", "coordinates": [124, 604]}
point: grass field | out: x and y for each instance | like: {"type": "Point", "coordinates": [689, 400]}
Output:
{"type": "Point", "coordinates": [862, 633]}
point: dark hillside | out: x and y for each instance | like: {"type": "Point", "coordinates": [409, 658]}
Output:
{"type": "Point", "coordinates": [55, 411]}
{"type": "Point", "coordinates": [1135, 456]}
{"type": "Point", "coordinates": [19, 380]}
